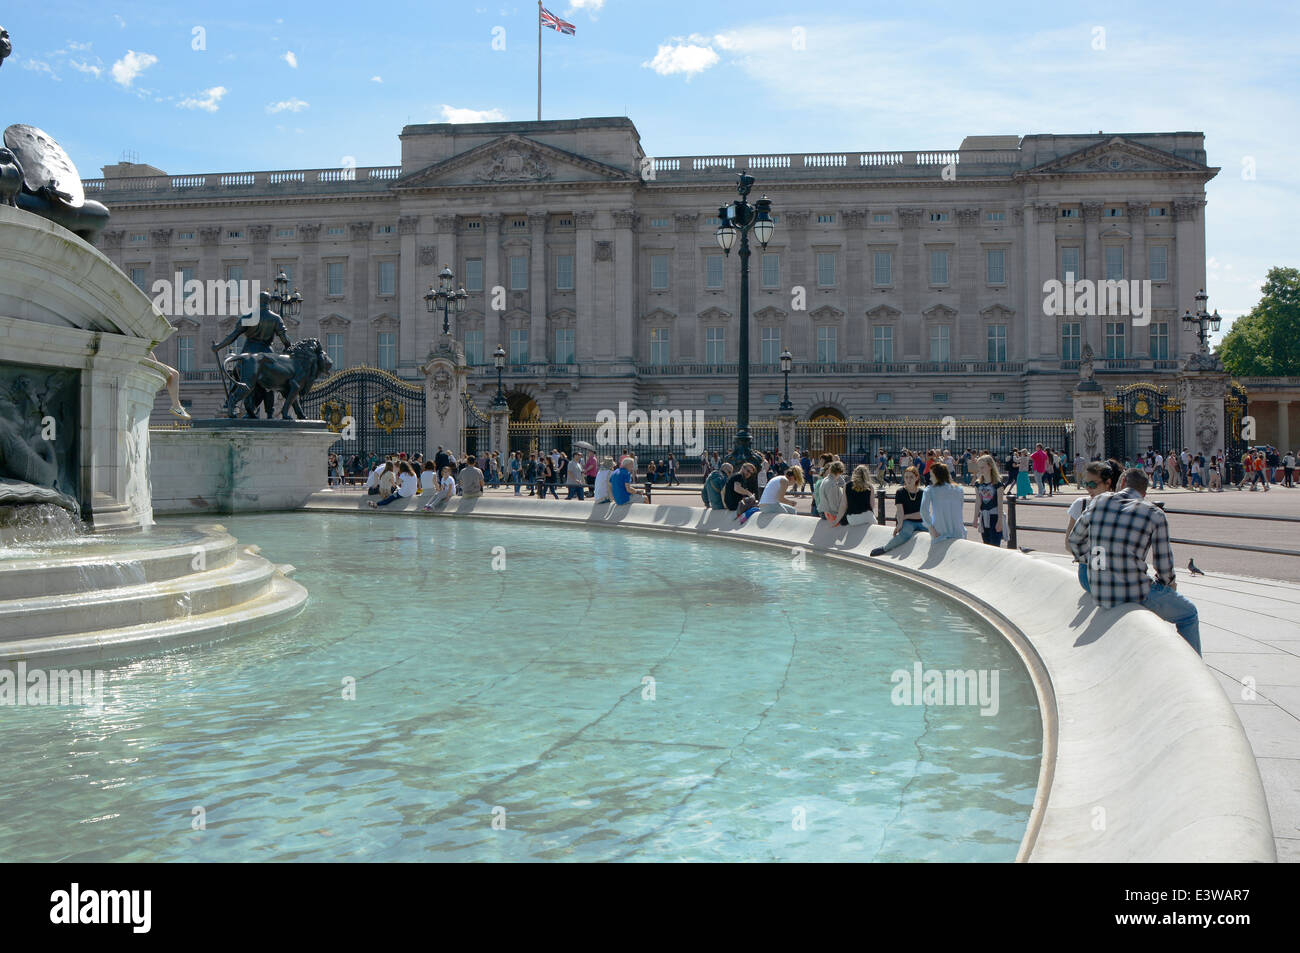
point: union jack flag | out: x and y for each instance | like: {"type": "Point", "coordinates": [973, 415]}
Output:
{"type": "Point", "coordinates": [555, 23]}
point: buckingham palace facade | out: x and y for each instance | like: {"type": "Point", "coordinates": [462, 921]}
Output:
{"type": "Point", "coordinates": [903, 283]}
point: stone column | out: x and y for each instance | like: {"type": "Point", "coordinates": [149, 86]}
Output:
{"type": "Point", "coordinates": [259, 265]}
{"type": "Point", "coordinates": [970, 283]}
{"type": "Point", "coordinates": [1089, 420]}
{"type": "Point", "coordinates": [914, 274]}
{"type": "Point", "coordinates": [444, 373]}
{"type": "Point", "coordinates": [1283, 439]}
{"type": "Point", "coordinates": [1043, 238]}
{"type": "Point", "coordinates": [360, 294]}
{"type": "Point", "coordinates": [1202, 385]}
{"type": "Point", "coordinates": [625, 223]}
{"type": "Point", "coordinates": [785, 430]}
{"type": "Point", "coordinates": [436, 251]}
{"type": "Point", "coordinates": [409, 293]}
{"type": "Point", "coordinates": [1189, 275]}
{"type": "Point", "coordinates": [161, 239]}
{"type": "Point", "coordinates": [855, 270]}
{"type": "Point", "coordinates": [584, 282]}
{"type": "Point", "coordinates": [209, 268]}
{"type": "Point", "coordinates": [538, 345]}
{"type": "Point", "coordinates": [1136, 212]}
{"type": "Point", "coordinates": [683, 280]}
{"type": "Point", "coordinates": [499, 439]}
{"type": "Point", "coordinates": [1093, 271]}
{"type": "Point", "coordinates": [492, 333]}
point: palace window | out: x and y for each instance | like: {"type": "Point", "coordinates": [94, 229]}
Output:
{"type": "Point", "coordinates": [1070, 263]}
{"type": "Point", "coordinates": [826, 341]}
{"type": "Point", "coordinates": [185, 352]}
{"type": "Point", "coordinates": [825, 219]}
{"type": "Point", "coordinates": [1114, 262]}
{"type": "Point", "coordinates": [334, 230]}
{"type": "Point", "coordinates": [998, 397]}
{"type": "Point", "coordinates": [938, 216]}
{"type": "Point", "coordinates": [518, 345]}
{"type": "Point", "coordinates": [334, 278]}
{"type": "Point", "coordinates": [770, 346]}
{"type": "Point", "coordinates": [1071, 341]}
{"type": "Point", "coordinates": [473, 348]}
{"type": "Point", "coordinates": [659, 346]}
{"type": "Point", "coordinates": [518, 273]}
{"type": "Point", "coordinates": [564, 350]}
{"type": "Point", "coordinates": [384, 229]}
{"type": "Point", "coordinates": [1069, 213]}
{"type": "Point", "coordinates": [334, 347]}
{"type": "Point", "coordinates": [563, 272]}
{"type": "Point", "coordinates": [1158, 262]}
{"type": "Point", "coordinates": [473, 274]}
{"type": "Point", "coordinates": [660, 223]}
{"type": "Point", "coordinates": [995, 266]}
{"type": "Point", "coordinates": [995, 216]}
{"type": "Point", "coordinates": [1115, 339]}
{"type": "Point", "coordinates": [387, 347]}
{"type": "Point", "coordinates": [882, 345]}
{"type": "Point", "coordinates": [387, 277]}
{"type": "Point", "coordinates": [882, 218]}
{"type": "Point", "coordinates": [284, 233]}
{"type": "Point", "coordinates": [938, 267]}
{"type": "Point", "coordinates": [713, 271]}
{"type": "Point", "coordinates": [771, 270]}
{"type": "Point", "coordinates": [715, 345]}
{"type": "Point", "coordinates": [826, 269]}
{"type": "Point", "coordinates": [997, 343]}
{"type": "Point", "coordinates": [1160, 342]}
{"type": "Point", "coordinates": [185, 237]}
{"type": "Point", "coordinates": [882, 264]}
{"type": "Point", "coordinates": [940, 343]}
{"type": "Point", "coordinates": [658, 272]}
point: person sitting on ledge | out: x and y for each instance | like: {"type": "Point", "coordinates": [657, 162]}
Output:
{"type": "Point", "coordinates": [907, 511]}
{"type": "Point", "coordinates": [620, 482]}
{"type": "Point", "coordinates": [471, 480]}
{"type": "Point", "coordinates": [1113, 535]}
{"type": "Point", "coordinates": [714, 486]}
{"type": "Point", "coordinates": [407, 484]}
{"type": "Point", "coordinates": [446, 490]}
{"type": "Point", "coordinates": [774, 498]}
{"type": "Point", "coordinates": [600, 490]}
{"type": "Point", "coordinates": [739, 486]}
{"type": "Point", "coordinates": [941, 504]}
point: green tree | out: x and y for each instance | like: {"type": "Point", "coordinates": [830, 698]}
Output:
{"type": "Point", "coordinates": [1266, 342]}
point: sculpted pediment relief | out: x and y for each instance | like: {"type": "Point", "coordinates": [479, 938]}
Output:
{"type": "Point", "coordinates": [1117, 155]}
{"type": "Point", "coordinates": [769, 315]}
{"type": "Point", "coordinates": [996, 312]}
{"type": "Point", "coordinates": [513, 160]}
{"type": "Point", "coordinates": [659, 314]}
{"type": "Point", "coordinates": [826, 313]}
{"type": "Point", "coordinates": [714, 314]}
{"type": "Point", "coordinates": [883, 313]}
{"type": "Point", "coordinates": [939, 311]}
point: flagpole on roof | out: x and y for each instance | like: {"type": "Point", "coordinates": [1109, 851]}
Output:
{"type": "Point", "coordinates": [539, 60]}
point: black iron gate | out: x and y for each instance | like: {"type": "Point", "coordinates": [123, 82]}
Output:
{"type": "Point", "coordinates": [1141, 416]}
{"type": "Point", "coordinates": [1236, 407]}
{"type": "Point", "coordinates": [372, 411]}
{"type": "Point", "coordinates": [477, 433]}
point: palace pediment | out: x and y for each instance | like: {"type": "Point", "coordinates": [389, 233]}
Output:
{"type": "Point", "coordinates": [1116, 155]}
{"type": "Point", "coordinates": [514, 161]}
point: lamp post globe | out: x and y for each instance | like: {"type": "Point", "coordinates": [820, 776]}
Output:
{"type": "Point", "coordinates": [499, 359]}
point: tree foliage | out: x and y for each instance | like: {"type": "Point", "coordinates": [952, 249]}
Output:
{"type": "Point", "coordinates": [1266, 342]}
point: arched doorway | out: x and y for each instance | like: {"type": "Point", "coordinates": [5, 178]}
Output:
{"type": "Point", "coordinates": [525, 416]}
{"type": "Point", "coordinates": [826, 431]}
{"type": "Point", "coordinates": [523, 409]}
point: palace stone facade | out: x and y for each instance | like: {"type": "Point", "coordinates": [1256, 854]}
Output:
{"type": "Point", "coordinates": [904, 283]}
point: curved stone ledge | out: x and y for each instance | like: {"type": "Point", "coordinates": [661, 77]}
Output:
{"type": "Point", "coordinates": [1144, 758]}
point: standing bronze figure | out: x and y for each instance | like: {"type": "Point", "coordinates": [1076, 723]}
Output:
{"type": "Point", "coordinates": [238, 370]}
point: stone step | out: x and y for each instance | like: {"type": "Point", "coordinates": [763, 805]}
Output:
{"type": "Point", "coordinates": [57, 614]}
{"type": "Point", "coordinates": [282, 599]}
{"type": "Point", "coordinates": [75, 573]}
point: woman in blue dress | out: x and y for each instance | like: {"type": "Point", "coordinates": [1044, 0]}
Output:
{"type": "Point", "coordinates": [1023, 486]}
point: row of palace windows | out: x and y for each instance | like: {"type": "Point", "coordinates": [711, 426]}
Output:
{"type": "Point", "coordinates": [940, 261]}
{"type": "Point", "coordinates": [940, 343]}
{"type": "Point", "coordinates": [882, 270]}
{"type": "Point", "coordinates": [715, 341]}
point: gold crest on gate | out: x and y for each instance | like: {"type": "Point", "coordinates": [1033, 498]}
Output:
{"type": "Point", "coordinates": [334, 412]}
{"type": "Point", "coordinates": [389, 415]}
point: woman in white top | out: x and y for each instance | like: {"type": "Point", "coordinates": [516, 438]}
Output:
{"type": "Point", "coordinates": [762, 474]}
{"type": "Point", "coordinates": [446, 489]}
{"type": "Point", "coordinates": [941, 504]}
{"type": "Point", "coordinates": [388, 479]}
{"type": "Point", "coordinates": [428, 478]}
{"type": "Point", "coordinates": [774, 498]}
{"type": "Point", "coordinates": [407, 482]}
{"type": "Point", "coordinates": [600, 492]}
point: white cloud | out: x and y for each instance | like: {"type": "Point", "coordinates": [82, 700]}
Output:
{"type": "Point", "coordinates": [457, 114]}
{"type": "Point", "coordinates": [78, 47]}
{"type": "Point", "coordinates": [591, 6]}
{"type": "Point", "coordinates": [40, 66]}
{"type": "Point", "coordinates": [376, 79]}
{"type": "Point", "coordinates": [120, 21]}
{"type": "Point", "coordinates": [209, 102]}
{"type": "Point", "coordinates": [132, 65]}
{"type": "Point", "coordinates": [290, 59]}
{"type": "Point", "coordinates": [83, 67]}
{"type": "Point", "coordinates": [687, 58]}
{"type": "Point", "coordinates": [287, 105]}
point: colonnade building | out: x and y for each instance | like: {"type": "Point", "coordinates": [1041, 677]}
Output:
{"type": "Point", "coordinates": [903, 283]}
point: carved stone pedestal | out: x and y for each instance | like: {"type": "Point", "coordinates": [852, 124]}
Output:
{"type": "Point", "coordinates": [1203, 386]}
{"type": "Point", "coordinates": [444, 373]}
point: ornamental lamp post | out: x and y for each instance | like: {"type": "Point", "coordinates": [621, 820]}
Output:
{"type": "Point", "coordinates": [737, 221]}
{"type": "Point", "coordinates": [1203, 320]}
{"type": "Point", "coordinates": [283, 303]}
{"type": "Point", "coordinates": [499, 358]}
{"type": "Point", "coordinates": [445, 298]}
{"type": "Point", "coordinates": [787, 361]}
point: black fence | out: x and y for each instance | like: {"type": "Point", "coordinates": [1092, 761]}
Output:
{"type": "Point", "coordinates": [372, 411]}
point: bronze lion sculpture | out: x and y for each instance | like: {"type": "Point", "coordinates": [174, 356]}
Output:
{"type": "Point", "coordinates": [290, 374]}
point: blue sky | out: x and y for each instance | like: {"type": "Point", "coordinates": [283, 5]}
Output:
{"type": "Point", "coordinates": [303, 85]}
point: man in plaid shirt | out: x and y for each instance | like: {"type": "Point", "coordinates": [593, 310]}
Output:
{"type": "Point", "coordinates": [1113, 535]}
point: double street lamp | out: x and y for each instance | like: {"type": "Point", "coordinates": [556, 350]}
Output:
{"type": "Point", "coordinates": [737, 221]}
{"type": "Point", "coordinates": [445, 298]}
{"type": "Point", "coordinates": [283, 303]}
{"type": "Point", "coordinates": [787, 362]}
{"type": "Point", "coordinates": [1204, 321]}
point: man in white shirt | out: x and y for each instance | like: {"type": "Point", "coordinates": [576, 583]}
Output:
{"type": "Point", "coordinates": [1186, 473]}
{"type": "Point", "coordinates": [1158, 470]}
{"type": "Point", "coordinates": [574, 478]}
